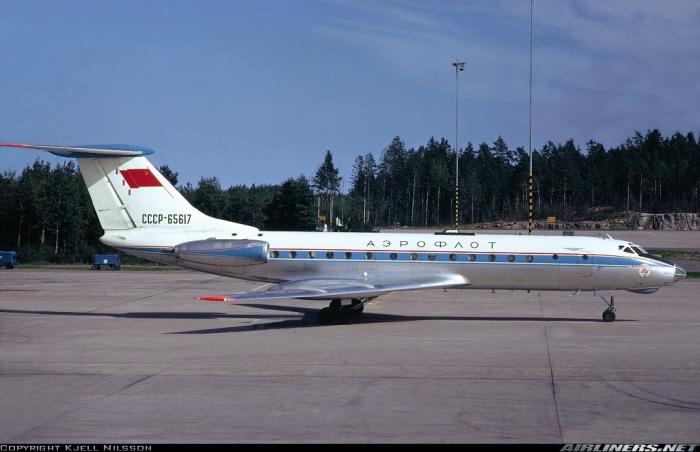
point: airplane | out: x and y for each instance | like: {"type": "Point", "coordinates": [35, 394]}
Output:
{"type": "Point", "coordinates": [143, 215]}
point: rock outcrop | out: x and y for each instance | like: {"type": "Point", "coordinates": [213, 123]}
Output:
{"type": "Point", "coordinates": [665, 221]}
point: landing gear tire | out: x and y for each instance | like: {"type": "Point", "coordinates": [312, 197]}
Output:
{"type": "Point", "coordinates": [357, 306]}
{"type": "Point", "coordinates": [338, 314]}
{"type": "Point", "coordinates": [334, 313]}
{"type": "Point", "coordinates": [609, 315]}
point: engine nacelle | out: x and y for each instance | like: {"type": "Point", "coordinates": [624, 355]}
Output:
{"type": "Point", "coordinates": [222, 252]}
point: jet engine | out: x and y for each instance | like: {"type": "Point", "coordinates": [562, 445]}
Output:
{"type": "Point", "coordinates": [222, 252]}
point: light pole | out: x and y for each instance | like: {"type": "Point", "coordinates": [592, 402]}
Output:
{"type": "Point", "coordinates": [529, 145]}
{"type": "Point", "coordinates": [459, 67]}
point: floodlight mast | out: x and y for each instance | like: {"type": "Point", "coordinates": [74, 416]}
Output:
{"type": "Point", "coordinates": [529, 145]}
{"type": "Point", "coordinates": [459, 67]}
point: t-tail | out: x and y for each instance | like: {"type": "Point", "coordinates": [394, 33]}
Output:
{"type": "Point", "coordinates": [136, 205]}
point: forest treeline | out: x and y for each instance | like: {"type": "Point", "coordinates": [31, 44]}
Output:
{"type": "Point", "coordinates": [46, 213]}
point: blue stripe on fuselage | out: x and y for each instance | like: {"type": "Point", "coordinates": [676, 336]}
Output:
{"type": "Point", "coordinates": [479, 258]}
{"type": "Point", "coordinates": [442, 257]}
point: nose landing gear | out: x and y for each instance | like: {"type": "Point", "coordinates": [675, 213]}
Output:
{"type": "Point", "coordinates": [609, 314]}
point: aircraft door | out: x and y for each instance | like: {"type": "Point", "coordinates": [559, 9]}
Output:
{"type": "Point", "coordinates": [576, 273]}
{"type": "Point", "coordinates": [584, 269]}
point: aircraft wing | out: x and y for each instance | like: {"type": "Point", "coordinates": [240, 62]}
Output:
{"type": "Point", "coordinates": [327, 289]}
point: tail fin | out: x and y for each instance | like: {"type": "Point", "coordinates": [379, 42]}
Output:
{"type": "Point", "coordinates": [129, 192]}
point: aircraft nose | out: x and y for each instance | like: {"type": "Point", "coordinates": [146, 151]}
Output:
{"type": "Point", "coordinates": [680, 274]}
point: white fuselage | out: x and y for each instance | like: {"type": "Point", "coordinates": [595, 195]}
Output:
{"type": "Point", "coordinates": [486, 261]}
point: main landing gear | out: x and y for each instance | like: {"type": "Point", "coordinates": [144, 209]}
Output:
{"type": "Point", "coordinates": [609, 314]}
{"type": "Point", "coordinates": [338, 313]}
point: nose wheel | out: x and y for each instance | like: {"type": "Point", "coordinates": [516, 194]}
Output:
{"type": "Point", "coordinates": [609, 314]}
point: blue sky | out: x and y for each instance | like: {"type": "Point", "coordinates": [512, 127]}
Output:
{"type": "Point", "coordinates": [256, 91]}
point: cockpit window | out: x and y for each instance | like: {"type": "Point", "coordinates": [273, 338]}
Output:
{"type": "Point", "coordinates": [638, 249]}
{"type": "Point", "coordinates": [633, 249]}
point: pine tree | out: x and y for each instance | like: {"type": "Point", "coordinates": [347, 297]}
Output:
{"type": "Point", "coordinates": [169, 174]}
{"type": "Point", "coordinates": [327, 182]}
{"type": "Point", "coordinates": [292, 207]}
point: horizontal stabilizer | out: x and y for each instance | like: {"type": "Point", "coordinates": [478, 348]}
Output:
{"type": "Point", "coordinates": [87, 151]}
{"type": "Point", "coordinates": [327, 289]}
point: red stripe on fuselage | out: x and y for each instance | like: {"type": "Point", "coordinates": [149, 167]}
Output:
{"type": "Point", "coordinates": [137, 178]}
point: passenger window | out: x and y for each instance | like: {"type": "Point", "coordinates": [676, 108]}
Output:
{"type": "Point", "coordinates": [453, 257]}
{"type": "Point", "coordinates": [431, 257]}
{"type": "Point", "coordinates": [369, 256]}
{"type": "Point", "coordinates": [492, 258]}
{"type": "Point", "coordinates": [392, 256]}
{"type": "Point", "coordinates": [329, 255]}
{"type": "Point", "coordinates": [511, 258]}
{"type": "Point", "coordinates": [312, 254]}
{"type": "Point", "coordinates": [555, 256]}
{"type": "Point", "coordinates": [292, 254]}
{"type": "Point", "coordinates": [585, 257]}
{"type": "Point", "coordinates": [348, 255]}
{"type": "Point", "coordinates": [472, 257]}
{"type": "Point", "coordinates": [275, 254]}
{"type": "Point", "coordinates": [530, 258]}
{"type": "Point", "coordinates": [414, 256]}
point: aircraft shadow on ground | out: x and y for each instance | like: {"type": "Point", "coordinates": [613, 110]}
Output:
{"type": "Point", "coordinates": [308, 318]}
{"type": "Point", "coordinates": [150, 315]}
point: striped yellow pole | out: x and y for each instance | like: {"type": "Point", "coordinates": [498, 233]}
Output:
{"type": "Point", "coordinates": [457, 205]}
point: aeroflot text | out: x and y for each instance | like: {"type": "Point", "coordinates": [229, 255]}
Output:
{"type": "Point", "coordinates": [437, 244]}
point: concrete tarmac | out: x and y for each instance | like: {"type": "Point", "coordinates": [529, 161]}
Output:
{"type": "Point", "coordinates": [131, 357]}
